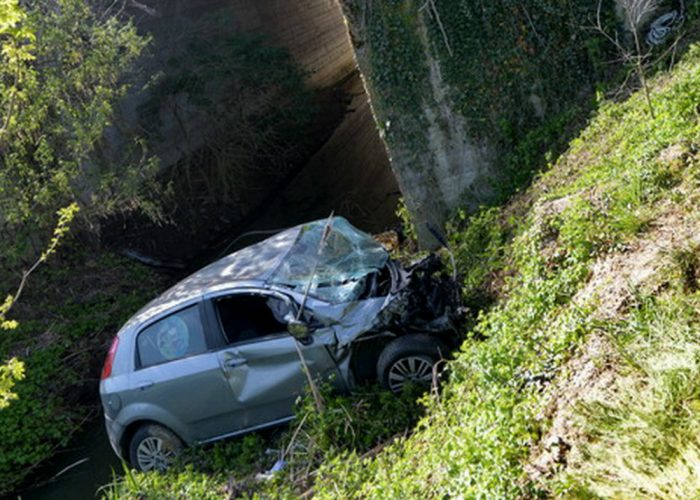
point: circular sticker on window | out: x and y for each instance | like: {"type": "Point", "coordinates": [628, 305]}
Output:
{"type": "Point", "coordinates": [173, 339]}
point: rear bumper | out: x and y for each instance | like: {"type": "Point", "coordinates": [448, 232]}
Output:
{"type": "Point", "coordinates": [115, 432]}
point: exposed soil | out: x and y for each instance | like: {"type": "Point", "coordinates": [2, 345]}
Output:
{"type": "Point", "coordinates": [584, 378]}
{"type": "Point", "coordinates": [591, 374]}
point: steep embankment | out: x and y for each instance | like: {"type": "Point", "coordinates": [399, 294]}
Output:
{"type": "Point", "coordinates": [582, 378]}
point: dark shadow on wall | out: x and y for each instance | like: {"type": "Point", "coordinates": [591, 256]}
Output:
{"type": "Point", "coordinates": [244, 142]}
{"type": "Point", "coordinates": [348, 176]}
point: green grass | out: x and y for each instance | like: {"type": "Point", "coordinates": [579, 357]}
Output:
{"type": "Point", "coordinates": [182, 483]}
{"type": "Point", "coordinates": [349, 427]}
{"type": "Point", "coordinates": [523, 265]}
{"type": "Point", "coordinates": [67, 316]}
{"type": "Point", "coordinates": [644, 431]}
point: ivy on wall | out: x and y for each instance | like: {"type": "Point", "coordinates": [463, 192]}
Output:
{"type": "Point", "coordinates": [513, 61]}
{"type": "Point", "coordinates": [399, 73]}
{"type": "Point", "coordinates": [518, 71]}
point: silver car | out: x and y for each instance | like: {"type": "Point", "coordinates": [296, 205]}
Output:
{"type": "Point", "coordinates": [221, 353]}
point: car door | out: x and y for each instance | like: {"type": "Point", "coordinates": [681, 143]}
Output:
{"type": "Point", "coordinates": [260, 359]}
{"type": "Point", "coordinates": [178, 379]}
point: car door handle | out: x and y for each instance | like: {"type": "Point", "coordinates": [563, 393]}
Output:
{"type": "Point", "coordinates": [234, 362]}
{"type": "Point", "coordinates": [145, 385]}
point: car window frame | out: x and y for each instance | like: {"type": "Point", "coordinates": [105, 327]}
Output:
{"type": "Point", "coordinates": [182, 307]}
{"type": "Point", "coordinates": [215, 319]}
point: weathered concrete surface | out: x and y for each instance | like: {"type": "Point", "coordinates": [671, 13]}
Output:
{"type": "Point", "coordinates": [458, 162]}
{"type": "Point", "coordinates": [343, 177]}
{"type": "Point", "coordinates": [315, 34]}
{"type": "Point", "coordinates": [483, 76]}
{"type": "Point", "coordinates": [313, 31]}
{"type": "Point", "coordinates": [453, 170]}
{"type": "Point", "coordinates": [348, 171]}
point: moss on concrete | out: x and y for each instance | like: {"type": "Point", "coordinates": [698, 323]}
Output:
{"type": "Point", "coordinates": [459, 88]}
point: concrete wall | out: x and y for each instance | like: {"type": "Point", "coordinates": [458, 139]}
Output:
{"type": "Point", "coordinates": [348, 171]}
{"type": "Point", "coordinates": [315, 34]}
{"type": "Point", "coordinates": [458, 86]}
{"type": "Point", "coordinates": [349, 175]}
{"type": "Point", "coordinates": [313, 31]}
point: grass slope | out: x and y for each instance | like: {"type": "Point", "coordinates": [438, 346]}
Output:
{"type": "Point", "coordinates": [575, 264]}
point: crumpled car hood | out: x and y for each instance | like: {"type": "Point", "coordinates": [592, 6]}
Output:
{"type": "Point", "coordinates": [417, 300]}
{"type": "Point", "coordinates": [351, 320]}
{"type": "Point", "coordinates": [331, 260]}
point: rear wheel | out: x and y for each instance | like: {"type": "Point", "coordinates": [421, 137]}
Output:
{"type": "Point", "coordinates": [154, 447]}
{"type": "Point", "coordinates": [409, 359]}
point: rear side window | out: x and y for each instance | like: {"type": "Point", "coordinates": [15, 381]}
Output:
{"type": "Point", "coordinates": [176, 336]}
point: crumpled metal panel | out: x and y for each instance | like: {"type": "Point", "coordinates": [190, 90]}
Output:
{"type": "Point", "coordinates": [351, 320]}
{"type": "Point", "coordinates": [419, 302]}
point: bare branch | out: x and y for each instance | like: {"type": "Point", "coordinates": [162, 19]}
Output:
{"type": "Point", "coordinates": [433, 12]}
{"type": "Point", "coordinates": [144, 8]}
{"type": "Point", "coordinates": [636, 11]}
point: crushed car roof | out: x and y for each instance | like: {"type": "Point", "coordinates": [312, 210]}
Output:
{"type": "Point", "coordinates": [330, 252]}
{"type": "Point", "coordinates": [254, 263]}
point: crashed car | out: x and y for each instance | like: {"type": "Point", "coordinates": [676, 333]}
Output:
{"type": "Point", "coordinates": [222, 352]}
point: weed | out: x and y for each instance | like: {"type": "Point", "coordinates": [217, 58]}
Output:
{"type": "Point", "coordinates": [478, 243]}
{"type": "Point", "coordinates": [687, 262]}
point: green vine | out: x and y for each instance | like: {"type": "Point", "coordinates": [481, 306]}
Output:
{"type": "Point", "coordinates": [519, 72]}
{"type": "Point", "coordinates": [399, 73]}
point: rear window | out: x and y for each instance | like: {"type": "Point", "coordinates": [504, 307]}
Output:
{"type": "Point", "coordinates": [176, 336]}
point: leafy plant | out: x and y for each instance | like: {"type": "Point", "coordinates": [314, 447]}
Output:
{"type": "Point", "coordinates": [65, 217]}
{"type": "Point", "coordinates": [478, 242]}
{"type": "Point", "coordinates": [54, 348]}
{"type": "Point", "coordinates": [63, 67]}
{"type": "Point", "coordinates": [10, 373]}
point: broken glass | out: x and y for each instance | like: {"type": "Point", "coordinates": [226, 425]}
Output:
{"type": "Point", "coordinates": [333, 257]}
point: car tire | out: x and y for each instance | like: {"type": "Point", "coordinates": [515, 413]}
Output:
{"type": "Point", "coordinates": [154, 447]}
{"type": "Point", "coordinates": [410, 358]}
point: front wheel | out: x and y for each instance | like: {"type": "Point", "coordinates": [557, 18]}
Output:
{"type": "Point", "coordinates": [154, 447]}
{"type": "Point", "coordinates": [409, 359]}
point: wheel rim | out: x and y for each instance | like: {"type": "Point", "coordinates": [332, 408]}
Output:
{"type": "Point", "coordinates": [153, 454]}
{"type": "Point", "coordinates": [414, 369]}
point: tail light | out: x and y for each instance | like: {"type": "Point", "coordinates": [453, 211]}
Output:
{"type": "Point", "coordinates": [107, 368]}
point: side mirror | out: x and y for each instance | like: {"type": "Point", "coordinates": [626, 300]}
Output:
{"type": "Point", "coordinates": [300, 331]}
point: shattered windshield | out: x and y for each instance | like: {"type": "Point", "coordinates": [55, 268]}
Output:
{"type": "Point", "coordinates": [336, 268]}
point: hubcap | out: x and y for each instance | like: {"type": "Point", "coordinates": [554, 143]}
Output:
{"type": "Point", "coordinates": [153, 454]}
{"type": "Point", "coordinates": [414, 369]}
